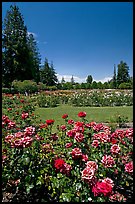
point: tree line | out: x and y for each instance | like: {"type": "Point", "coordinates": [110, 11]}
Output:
{"type": "Point", "coordinates": [21, 60]}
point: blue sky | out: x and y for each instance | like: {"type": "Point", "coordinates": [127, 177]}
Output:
{"type": "Point", "coordinates": [81, 38]}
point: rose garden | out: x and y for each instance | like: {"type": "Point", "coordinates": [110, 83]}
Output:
{"type": "Point", "coordinates": [79, 161]}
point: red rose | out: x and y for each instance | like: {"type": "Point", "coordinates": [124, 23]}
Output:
{"type": "Point", "coordinates": [59, 164]}
{"type": "Point", "coordinates": [49, 122]}
{"type": "Point", "coordinates": [102, 188]}
{"type": "Point", "coordinates": [65, 116]}
{"type": "Point", "coordinates": [82, 114]}
{"type": "Point", "coordinates": [70, 122]}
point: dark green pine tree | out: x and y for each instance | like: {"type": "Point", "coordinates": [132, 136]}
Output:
{"type": "Point", "coordinates": [16, 56]}
{"type": "Point", "coordinates": [89, 79]}
{"type": "Point", "coordinates": [72, 80]}
{"type": "Point", "coordinates": [34, 57]}
{"type": "Point", "coordinates": [122, 73]}
{"type": "Point", "coordinates": [48, 74]}
{"type": "Point", "coordinates": [114, 78]}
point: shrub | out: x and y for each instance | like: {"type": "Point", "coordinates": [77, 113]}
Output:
{"type": "Point", "coordinates": [125, 85]}
{"type": "Point", "coordinates": [25, 86]}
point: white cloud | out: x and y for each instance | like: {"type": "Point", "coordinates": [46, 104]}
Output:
{"type": "Point", "coordinates": [80, 80]}
{"type": "Point", "coordinates": [34, 34]}
{"type": "Point", "coordinates": [106, 79]}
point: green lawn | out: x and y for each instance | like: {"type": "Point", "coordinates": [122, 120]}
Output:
{"type": "Point", "coordinates": [97, 114]}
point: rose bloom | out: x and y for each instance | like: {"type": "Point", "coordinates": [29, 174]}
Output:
{"type": "Point", "coordinates": [37, 137]}
{"type": "Point", "coordinates": [93, 165]}
{"type": "Point", "coordinates": [76, 153]}
{"type": "Point", "coordinates": [49, 122]}
{"type": "Point", "coordinates": [88, 176]}
{"type": "Point", "coordinates": [58, 164]}
{"type": "Point", "coordinates": [107, 161]}
{"type": "Point", "coordinates": [54, 137]}
{"type": "Point", "coordinates": [82, 114]}
{"type": "Point", "coordinates": [129, 167]}
{"type": "Point", "coordinates": [79, 137]}
{"type": "Point", "coordinates": [115, 149]}
{"type": "Point", "coordinates": [70, 122]}
{"type": "Point", "coordinates": [43, 126]}
{"type": "Point", "coordinates": [98, 127]}
{"type": "Point", "coordinates": [129, 132]}
{"type": "Point", "coordinates": [19, 134]}
{"type": "Point", "coordinates": [109, 181]}
{"type": "Point", "coordinates": [68, 145]}
{"type": "Point", "coordinates": [95, 143]}
{"type": "Point", "coordinates": [102, 188]}
{"type": "Point", "coordinates": [113, 141]}
{"type": "Point", "coordinates": [9, 109]}
{"type": "Point", "coordinates": [29, 131]}
{"type": "Point", "coordinates": [25, 115]}
{"type": "Point", "coordinates": [11, 125]}
{"type": "Point", "coordinates": [71, 133]}
{"type": "Point", "coordinates": [66, 169]}
{"type": "Point", "coordinates": [65, 116]}
{"type": "Point", "coordinates": [84, 157]}
{"type": "Point", "coordinates": [63, 127]}
{"type": "Point", "coordinates": [79, 126]}
{"type": "Point", "coordinates": [117, 197]}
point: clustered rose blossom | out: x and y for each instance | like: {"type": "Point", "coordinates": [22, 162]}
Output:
{"type": "Point", "coordinates": [61, 166]}
{"type": "Point", "coordinates": [19, 140]}
{"type": "Point", "coordinates": [117, 197]}
{"type": "Point", "coordinates": [108, 161]}
{"type": "Point", "coordinates": [38, 137]}
{"type": "Point", "coordinates": [84, 157]}
{"type": "Point", "coordinates": [29, 131]}
{"type": "Point", "coordinates": [115, 149]}
{"type": "Point", "coordinates": [63, 127]}
{"type": "Point", "coordinates": [64, 116]}
{"type": "Point", "coordinates": [109, 181]}
{"type": "Point", "coordinates": [79, 137]}
{"type": "Point", "coordinates": [95, 143]}
{"type": "Point", "coordinates": [70, 122]}
{"type": "Point", "coordinates": [49, 122]}
{"type": "Point", "coordinates": [129, 167]}
{"type": "Point", "coordinates": [82, 114]}
{"type": "Point", "coordinates": [76, 153]}
{"type": "Point", "coordinates": [102, 188]}
{"type": "Point", "coordinates": [98, 127]}
{"type": "Point", "coordinates": [11, 125]}
{"type": "Point", "coordinates": [88, 174]}
{"type": "Point", "coordinates": [41, 126]}
{"type": "Point", "coordinates": [79, 126]}
{"type": "Point", "coordinates": [25, 115]}
{"type": "Point", "coordinates": [92, 165]}
{"type": "Point", "coordinates": [68, 145]}
{"type": "Point", "coordinates": [71, 133]}
{"type": "Point", "coordinates": [54, 136]}
{"type": "Point", "coordinates": [102, 136]}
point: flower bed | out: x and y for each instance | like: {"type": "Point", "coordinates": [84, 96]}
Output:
{"type": "Point", "coordinates": [95, 98]}
{"type": "Point", "coordinates": [82, 161]}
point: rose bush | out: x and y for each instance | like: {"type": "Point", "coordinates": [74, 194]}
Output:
{"type": "Point", "coordinates": [82, 161]}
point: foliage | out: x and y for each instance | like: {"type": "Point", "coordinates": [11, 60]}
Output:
{"type": "Point", "coordinates": [48, 75]}
{"type": "Point", "coordinates": [25, 86]}
{"type": "Point", "coordinates": [82, 161]}
{"type": "Point", "coordinates": [122, 73]}
{"type": "Point", "coordinates": [125, 85]}
{"type": "Point", "coordinates": [17, 61]}
{"type": "Point", "coordinates": [89, 79]}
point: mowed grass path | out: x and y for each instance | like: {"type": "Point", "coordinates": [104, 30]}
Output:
{"type": "Point", "coordinates": [97, 114]}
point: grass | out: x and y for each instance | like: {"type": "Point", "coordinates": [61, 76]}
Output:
{"type": "Point", "coordinates": [97, 114]}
